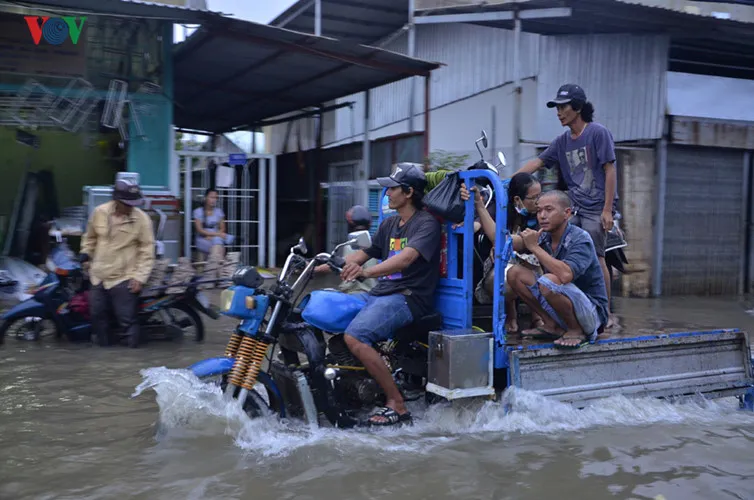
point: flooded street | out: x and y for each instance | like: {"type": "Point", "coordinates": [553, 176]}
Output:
{"type": "Point", "coordinates": [69, 429]}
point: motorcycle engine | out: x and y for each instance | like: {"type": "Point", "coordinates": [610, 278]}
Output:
{"type": "Point", "coordinates": [362, 390]}
{"type": "Point", "coordinates": [358, 387]}
{"type": "Point", "coordinates": [339, 350]}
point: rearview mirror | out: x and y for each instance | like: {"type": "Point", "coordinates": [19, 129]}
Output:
{"type": "Point", "coordinates": [300, 248]}
{"type": "Point", "coordinates": [363, 239]}
{"type": "Point", "coordinates": [501, 158]}
{"type": "Point", "coordinates": [483, 140]}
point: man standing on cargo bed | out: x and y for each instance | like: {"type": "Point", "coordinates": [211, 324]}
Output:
{"type": "Point", "coordinates": [585, 154]}
{"type": "Point", "coordinates": [119, 240]}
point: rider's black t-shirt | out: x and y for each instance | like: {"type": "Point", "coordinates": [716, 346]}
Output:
{"type": "Point", "coordinates": [419, 280]}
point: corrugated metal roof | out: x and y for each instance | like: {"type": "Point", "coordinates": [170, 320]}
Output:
{"type": "Point", "coordinates": [134, 8]}
{"type": "Point", "coordinates": [359, 21]}
{"type": "Point", "coordinates": [230, 73]}
{"type": "Point", "coordinates": [700, 43]}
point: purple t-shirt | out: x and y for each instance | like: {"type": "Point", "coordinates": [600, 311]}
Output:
{"type": "Point", "coordinates": [582, 164]}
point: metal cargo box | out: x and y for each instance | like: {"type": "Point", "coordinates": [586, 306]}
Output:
{"type": "Point", "coordinates": [460, 364]}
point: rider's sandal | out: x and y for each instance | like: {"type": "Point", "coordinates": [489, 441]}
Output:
{"type": "Point", "coordinates": [392, 418]}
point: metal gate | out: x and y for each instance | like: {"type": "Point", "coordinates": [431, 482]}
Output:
{"type": "Point", "coordinates": [703, 241]}
{"type": "Point", "coordinates": [245, 202]}
{"type": "Point", "coordinates": [341, 194]}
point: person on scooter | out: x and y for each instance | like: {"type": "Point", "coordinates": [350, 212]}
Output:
{"type": "Point", "coordinates": [408, 243]}
{"type": "Point", "coordinates": [358, 219]}
{"type": "Point", "coordinates": [119, 242]}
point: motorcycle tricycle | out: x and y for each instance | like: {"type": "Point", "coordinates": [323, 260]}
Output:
{"type": "Point", "coordinates": [329, 380]}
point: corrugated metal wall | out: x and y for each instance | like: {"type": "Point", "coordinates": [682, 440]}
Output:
{"type": "Point", "coordinates": [703, 237]}
{"type": "Point", "coordinates": [623, 75]}
{"type": "Point", "coordinates": [476, 59]}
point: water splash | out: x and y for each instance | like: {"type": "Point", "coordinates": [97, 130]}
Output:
{"type": "Point", "coordinates": [187, 403]}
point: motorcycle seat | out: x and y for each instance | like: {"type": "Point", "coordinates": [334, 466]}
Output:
{"type": "Point", "coordinates": [432, 321]}
{"type": "Point", "coordinates": [419, 329]}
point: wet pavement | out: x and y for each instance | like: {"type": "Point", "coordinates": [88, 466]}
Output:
{"type": "Point", "coordinates": [69, 429]}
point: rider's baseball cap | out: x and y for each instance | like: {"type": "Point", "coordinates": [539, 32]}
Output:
{"type": "Point", "coordinates": [127, 192]}
{"type": "Point", "coordinates": [567, 93]}
{"type": "Point", "coordinates": [405, 174]}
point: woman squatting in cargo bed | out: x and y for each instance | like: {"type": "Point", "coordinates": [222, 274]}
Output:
{"type": "Point", "coordinates": [523, 192]}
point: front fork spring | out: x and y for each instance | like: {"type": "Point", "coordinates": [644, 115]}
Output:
{"type": "Point", "coordinates": [249, 358]}
{"type": "Point", "coordinates": [232, 348]}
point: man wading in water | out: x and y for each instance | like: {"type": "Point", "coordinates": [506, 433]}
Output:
{"type": "Point", "coordinates": [119, 241]}
{"type": "Point", "coordinates": [585, 154]}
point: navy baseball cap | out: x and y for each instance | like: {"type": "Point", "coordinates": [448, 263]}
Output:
{"type": "Point", "coordinates": [406, 174]}
{"type": "Point", "coordinates": [567, 93]}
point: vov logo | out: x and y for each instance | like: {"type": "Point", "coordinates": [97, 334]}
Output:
{"type": "Point", "coordinates": [54, 29]}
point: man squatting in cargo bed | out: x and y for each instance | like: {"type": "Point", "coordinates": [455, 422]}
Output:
{"type": "Point", "coordinates": [570, 297]}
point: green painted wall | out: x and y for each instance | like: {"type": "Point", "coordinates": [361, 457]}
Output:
{"type": "Point", "coordinates": [73, 163]}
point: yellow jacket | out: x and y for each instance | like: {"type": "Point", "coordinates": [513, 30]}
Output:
{"type": "Point", "coordinates": [120, 249]}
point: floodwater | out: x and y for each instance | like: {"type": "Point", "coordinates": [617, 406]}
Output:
{"type": "Point", "coordinates": [69, 429]}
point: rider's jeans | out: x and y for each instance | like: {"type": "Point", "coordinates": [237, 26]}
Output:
{"type": "Point", "coordinates": [380, 318]}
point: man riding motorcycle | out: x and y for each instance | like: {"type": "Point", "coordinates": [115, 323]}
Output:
{"type": "Point", "coordinates": [408, 244]}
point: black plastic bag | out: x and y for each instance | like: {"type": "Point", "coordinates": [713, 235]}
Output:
{"type": "Point", "coordinates": [445, 199]}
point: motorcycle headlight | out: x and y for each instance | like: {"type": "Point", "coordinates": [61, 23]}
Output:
{"type": "Point", "coordinates": [226, 299]}
{"type": "Point", "coordinates": [240, 302]}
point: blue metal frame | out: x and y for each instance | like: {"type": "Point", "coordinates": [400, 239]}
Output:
{"type": "Point", "coordinates": [454, 295]}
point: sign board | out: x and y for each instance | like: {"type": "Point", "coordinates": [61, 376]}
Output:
{"type": "Point", "coordinates": [43, 46]}
{"type": "Point", "coordinates": [237, 159]}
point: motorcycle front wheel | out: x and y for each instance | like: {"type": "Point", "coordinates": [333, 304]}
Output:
{"type": "Point", "coordinates": [262, 401]}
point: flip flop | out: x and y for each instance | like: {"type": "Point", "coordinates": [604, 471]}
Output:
{"type": "Point", "coordinates": [393, 418]}
{"type": "Point", "coordinates": [582, 342]}
{"type": "Point", "coordinates": [541, 333]}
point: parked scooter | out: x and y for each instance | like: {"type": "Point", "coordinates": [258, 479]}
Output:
{"type": "Point", "coordinates": [62, 300]}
